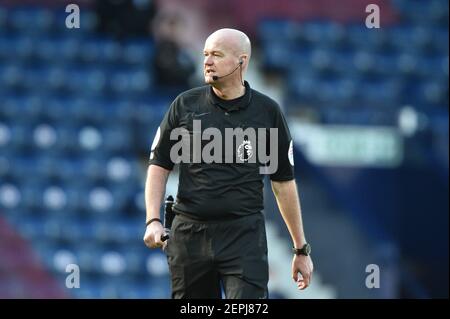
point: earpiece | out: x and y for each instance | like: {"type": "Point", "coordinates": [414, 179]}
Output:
{"type": "Point", "coordinates": [216, 77]}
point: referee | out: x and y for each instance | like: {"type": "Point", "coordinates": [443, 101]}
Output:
{"type": "Point", "coordinates": [218, 236]}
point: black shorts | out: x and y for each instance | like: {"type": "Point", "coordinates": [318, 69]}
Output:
{"type": "Point", "coordinates": [204, 257]}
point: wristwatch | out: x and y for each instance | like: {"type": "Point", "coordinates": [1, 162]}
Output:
{"type": "Point", "coordinates": [305, 250]}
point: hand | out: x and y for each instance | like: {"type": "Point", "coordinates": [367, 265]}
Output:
{"type": "Point", "coordinates": [152, 236]}
{"type": "Point", "coordinates": [303, 265]}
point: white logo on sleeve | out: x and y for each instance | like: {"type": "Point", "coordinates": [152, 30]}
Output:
{"type": "Point", "coordinates": [291, 153]}
{"type": "Point", "coordinates": [155, 142]}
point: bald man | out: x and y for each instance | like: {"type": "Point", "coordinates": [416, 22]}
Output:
{"type": "Point", "coordinates": [218, 239]}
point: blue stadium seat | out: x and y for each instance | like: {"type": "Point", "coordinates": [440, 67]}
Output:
{"type": "Point", "coordinates": [135, 261]}
{"type": "Point", "coordinates": [408, 65]}
{"type": "Point", "coordinates": [433, 68]}
{"type": "Point", "coordinates": [22, 168]}
{"type": "Point", "coordinates": [32, 195]}
{"type": "Point", "coordinates": [153, 289]}
{"type": "Point", "coordinates": [134, 82]}
{"type": "Point", "coordinates": [87, 81]}
{"type": "Point", "coordinates": [432, 93]}
{"type": "Point", "coordinates": [5, 136]}
{"type": "Point", "coordinates": [20, 20]}
{"type": "Point", "coordinates": [80, 231]}
{"type": "Point", "coordinates": [101, 201]}
{"type": "Point", "coordinates": [323, 35]}
{"type": "Point", "coordinates": [440, 42]}
{"type": "Point", "coordinates": [5, 48]}
{"type": "Point", "coordinates": [386, 65]}
{"type": "Point", "coordinates": [31, 228]}
{"type": "Point", "coordinates": [380, 93]}
{"type": "Point", "coordinates": [111, 51]}
{"type": "Point", "coordinates": [276, 55]}
{"type": "Point", "coordinates": [70, 48]}
{"type": "Point", "coordinates": [425, 13]}
{"type": "Point", "coordinates": [321, 61]}
{"type": "Point", "coordinates": [89, 255]}
{"type": "Point", "coordinates": [3, 19]}
{"type": "Point", "coordinates": [404, 41]}
{"type": "Point", "coordinates": [120, 112]}
{"type": "Point", "coordinates": [363, 39]}
{"type": "Point", "coordinates": [22, 48]}
{"type": "Point", "coordinates": [44, 136]}
{"type": "Point", "coordinates": [47, 166]}
{"type": "Point", "coordinates": [89, 290]}
{"type": "Point", "coordinates": [302, 84]}
{"type": "Point", "coordinates": [117, 139]}
{"type": "Point", "coordinates": [56, 80]}
{"type": "Point", "coordinates": [6, 159]}
{"type": "Point", "coordinates": [120, 169]}
{"type": "Point", "coordinates": [34, 106]}
{"type": "Point", "coordinates": [47, 50]}
{"type": "Point", "coordinates": [54, 199]}
{"type": "Point", "coordinates": [138, 52]}
{"type": "Point", "coordinates": [21, 133]}
{"type": "Point", "coordinates": [270, 30]}
{"type": "Point", "coordinates": [91, 52]}
{"type": "Point", "coordinates": [76, 196]}
{"type": "Point", "coordinates": [83, 139]}
{"type": "Point", "coordinates": [12, 76]}
{"type": "Point", "coordinates": [11, 196]}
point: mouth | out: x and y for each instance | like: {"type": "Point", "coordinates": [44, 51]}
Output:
{"type": "Point", "coordinates": [209, 72]}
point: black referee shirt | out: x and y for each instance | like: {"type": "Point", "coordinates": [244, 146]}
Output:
{"type": "Point", "coordinates": [220, 189]}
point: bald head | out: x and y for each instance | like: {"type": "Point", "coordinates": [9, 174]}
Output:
{"type": "Point", "coordinates": [226, 57]}
{"type": "Point", "coordinates": [235, 40]}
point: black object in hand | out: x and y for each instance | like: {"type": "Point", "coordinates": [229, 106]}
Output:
{"type": "Point", "coordinates": [168, 217]}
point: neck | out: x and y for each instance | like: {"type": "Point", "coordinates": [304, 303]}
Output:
{"type": "Point", "coordinates": [230, 92]}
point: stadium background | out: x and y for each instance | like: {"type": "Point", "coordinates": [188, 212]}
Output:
{"type": "Point", "coordinates": [368, 111]}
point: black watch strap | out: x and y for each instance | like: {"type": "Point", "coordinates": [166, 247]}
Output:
{"type": "Point", "coordinates": [153, 220]}
{"type": "Point", "coordinates": [305, 250]}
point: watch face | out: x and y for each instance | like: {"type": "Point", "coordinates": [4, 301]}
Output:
{"type": "Point", "coordinates": [308, 249]}
{"type": "Point", "coordinates": [305, 250]}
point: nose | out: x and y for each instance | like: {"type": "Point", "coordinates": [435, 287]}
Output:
{"type": "Point", "coordinates": [208, 60]}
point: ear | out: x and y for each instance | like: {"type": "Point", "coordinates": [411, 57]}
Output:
{"type": "Point", "coordinates": [242, 59]}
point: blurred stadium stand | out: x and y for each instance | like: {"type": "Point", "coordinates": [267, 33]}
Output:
{"type": "Point", "coordinates": [78, 110]}
{"type": "Point", "coordinates": [343, 80]}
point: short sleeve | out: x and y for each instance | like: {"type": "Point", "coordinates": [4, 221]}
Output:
{"type": "Point", "coordinates": [162, 144]}
{"type": "Point", "coordinates": [285, 170]}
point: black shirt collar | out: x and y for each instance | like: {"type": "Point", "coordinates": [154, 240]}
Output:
{"type": "Point", "coordinates": [231, 105]}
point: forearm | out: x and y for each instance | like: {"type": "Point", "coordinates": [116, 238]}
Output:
{"type": "Point", "coordinates": [155, 189]}
{"type": "Point", "coordinates": [289, 206]}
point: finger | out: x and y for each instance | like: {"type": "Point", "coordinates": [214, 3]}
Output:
{"type": "Point", "coordinates": [295, 275]}
{"type": "Point", "coordinates": [148, 242]}
{"type": "Point", "coordinates": [305, 281]}
{"type": "Point", "coordinates": [157, 239]}
{"type": "Point", "coordinates": [301, 284]}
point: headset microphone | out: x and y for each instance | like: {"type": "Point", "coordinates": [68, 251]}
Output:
{"type": "Point", "coordinates": [215, 77]}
